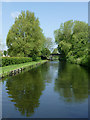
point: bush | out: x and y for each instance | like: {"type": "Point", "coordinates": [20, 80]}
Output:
{"type": "Point", "coordinates": [38, 58]}
{"type": "Point", "coordinates": [14, 60]}
{"type": "Point", "coordinates": [34, 57]}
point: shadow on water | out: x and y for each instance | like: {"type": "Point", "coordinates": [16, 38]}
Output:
{"type": "Point", "coordinates": [72, 82]}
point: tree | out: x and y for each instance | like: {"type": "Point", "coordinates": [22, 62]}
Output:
{"type": "Point", "coordinates": [1, 53]}
{"type": "Point", "coordinates": [0, 44]}
{"type": "Point", "coordinates": [46, 48]}
{"type": "Point", "coordinates": [45, 53]}
{"type": "Point", "coordinates": [5, 52]}
{"type": "Point", "coordinates": [55, 51]}
{"type": "Point", "coordinates": [89, 46]}
{"type": "Point", "coordinates": [72, 39]}
{"type": "Point", "coordinates": [25, 38]}
{"type": "Point", "coordinates": [63, 36]}
{"type": "Point", "coordinates": [48, 43]}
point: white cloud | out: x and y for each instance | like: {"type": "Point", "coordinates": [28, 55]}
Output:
{"type": "Point", "coordinates": [15, 14]}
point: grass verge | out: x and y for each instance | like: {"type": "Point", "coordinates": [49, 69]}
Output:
{"type": "Point", "coordinates": [7, 69]}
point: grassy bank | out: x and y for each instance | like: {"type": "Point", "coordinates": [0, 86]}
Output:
{"type": "Point", "coordinates": [7, 69]}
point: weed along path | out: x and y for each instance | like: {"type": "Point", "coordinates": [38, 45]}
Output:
{"type": "Point", "coordinates": [15, 69]}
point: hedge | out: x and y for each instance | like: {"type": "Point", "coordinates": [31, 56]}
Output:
{"type": "Point", "coordinates": [14, 60]}
{"type": "Point", "coordinates": [36, 58]}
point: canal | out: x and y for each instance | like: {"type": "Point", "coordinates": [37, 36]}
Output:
{"type": "Point", "coordinates": [52, 90]}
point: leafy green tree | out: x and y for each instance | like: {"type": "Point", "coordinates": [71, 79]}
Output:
{"type": "Point", "coordinates": [72, 39]}
{"type": "Point", "coordinates": [45, 53]}
{"type": "Point", "coordinates": [5, 52]}
{"type": "Point", "coordinates": [54, 57]}
{"type": "Point", "coordinates": [47, 47]}
{"type": "Point", "coordinates": [48, 43]}
{"type": "Point", "coordinates": [0, 44]}
{"type": "Point", "coordinates": [55, 51]}
{"type": "Point", "coordinates": [1, 53]}
{"type": "Point", "coordinates": [63, 36]}
{"type": "Point", "coordinates": [25, 37]}
{"type": "Point", "coordinates": [89, 46]}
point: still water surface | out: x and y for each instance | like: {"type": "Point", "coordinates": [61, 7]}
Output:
{"type": "Point", "coordinates": [52, 90]}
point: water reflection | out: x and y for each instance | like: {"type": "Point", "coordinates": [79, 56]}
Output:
{"type": "Point", "coordinates": [25, 90]}
{"type": "Point", "coordinates": [72, 82]}
{"type": "Point", "coordinates": [29, 91]}
{"type": "Point", "coordinates": [89, 81]}
{"type": "Point", "coordinates": [49, 71]}
{"type": "Point", "coordinates": [0, 99]}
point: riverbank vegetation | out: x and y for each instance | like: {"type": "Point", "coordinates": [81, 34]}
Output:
{"type": "Point", "coordinates": [25, 37]}
{"type": "Point", "coordinates": [7, 69]}
{"type": "Point", "coordinates": [26, 44]}
{"type": "Point", "coordinates": [89, 47]}
{"type": "Point", "coordinates": [72, 40]}
{"type": "Point", "coordinates": [14, 60]}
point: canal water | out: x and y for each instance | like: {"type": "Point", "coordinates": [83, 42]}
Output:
{"type": "Point", "coordinates": [52, 90]}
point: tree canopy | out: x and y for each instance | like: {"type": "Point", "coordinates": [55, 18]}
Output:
{"type": "Point", "coordinates": [48, 43]}
{"type": "Point", "coordinates": [72, 39]}
{"type": "Point", "coordinates": [55, 51]}
{"type": "Point", "coordinates": [45, 53]}
{"type": "Point", "coordinates": [25, 37]}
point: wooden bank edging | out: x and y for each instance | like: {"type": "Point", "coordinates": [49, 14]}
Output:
{"type": "Point", "coordinates": [21, 69]}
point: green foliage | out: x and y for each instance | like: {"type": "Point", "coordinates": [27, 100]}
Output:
{"type": "Point", "coordinates": [14, 60]}
{"type": "Point", "coordinates": [1, 53]}
{"type": "Point", "coordinates": [38, 58]}
{"type": "Point", "coordinates": [48, 43]}
{"type": "Point", "coordinates": [55, 51]}
{"type": "Point", "coordinates": [25, 37]}
{"type": "Point", "coordinates": [28, 65]}
{"type": "Point", "coordinates": [65, 46]}
{"type": "Point", "coordinates": [34, 58]}
{"type": "Point", "coordinates": [5, 52]}
{"type": "Point", "coordinates": [45, 53]}
{"type": "Point", "coordinates": [72, 40]}
{"type": "Point", "coordinates": [89, 46]}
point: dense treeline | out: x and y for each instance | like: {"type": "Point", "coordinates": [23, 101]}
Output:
{"type": "Point", "coordinates": [72, 40]}
{"type": "Point", "coordinates": [89, 46]}
{"type": "Point", "coordinates": [25, 38]}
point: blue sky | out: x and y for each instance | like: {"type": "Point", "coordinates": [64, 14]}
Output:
{"type": "Point", "coordinates": [50, 14]}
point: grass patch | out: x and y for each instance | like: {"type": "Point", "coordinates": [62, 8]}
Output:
{"type": "Point", "coordinates": [6, 70]}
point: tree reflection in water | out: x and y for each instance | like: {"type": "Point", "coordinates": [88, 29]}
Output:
{"type": "Point", "coordinates": [25, 90]}
{"type": "Point", "coordinates": [72, 82]}
{"type": "Point", "coordinates": [89, 81]}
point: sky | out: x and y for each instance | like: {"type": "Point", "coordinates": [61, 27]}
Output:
{"type": "Point", "coordinates": [50, 14]}
{"type": "Point", "coordinates": [89, 13]}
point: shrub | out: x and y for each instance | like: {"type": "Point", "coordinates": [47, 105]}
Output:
{"type": "Point", "coordinates": [38, 58]}
{"type": "Point", "coordinates": [14, 60]}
